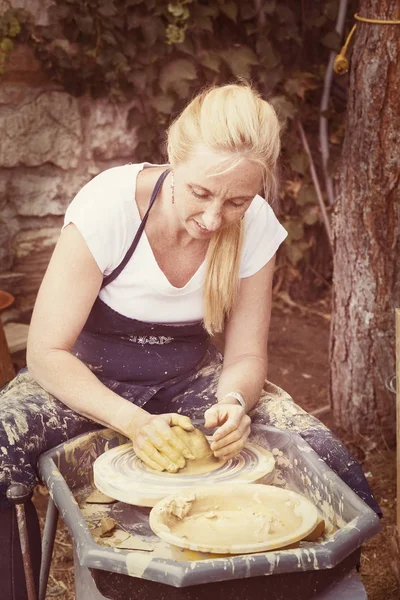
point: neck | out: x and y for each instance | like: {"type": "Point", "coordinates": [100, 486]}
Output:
{"type": "Point", "coordinates": [167, 212]}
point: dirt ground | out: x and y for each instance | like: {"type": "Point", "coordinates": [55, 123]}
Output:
{"type": "Point", "coordinates": [298, 363]}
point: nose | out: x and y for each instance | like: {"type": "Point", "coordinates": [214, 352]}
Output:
{"type": "Point", "coordinates": [212, 218]}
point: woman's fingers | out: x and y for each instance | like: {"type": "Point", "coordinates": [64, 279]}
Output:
{"type": "Point", "coordinates": [231, 445]}
{"type": "Point", "coordinates": [233, 431]}
{"type": "Point", "coordinates": [149, 450]}
{"type": "Point", "coordinates": [176, 446]}
{"type": "Point", "coordinates": [163, 442]}
{"type": "Point", "coordinates": [180, 420]}
{"type": "Point", "coordinates": [230, 418]}
{"type": "Point", "coordinates": [148, 461]}
{"type": "Point", "coordinates": [241, 433]}
{"type": "Point", "coordinates": [158, 443]}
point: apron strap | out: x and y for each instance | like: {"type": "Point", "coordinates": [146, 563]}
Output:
{"type": "Point", "coordinates": [114, 274]}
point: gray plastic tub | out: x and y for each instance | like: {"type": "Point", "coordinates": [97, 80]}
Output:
{"type": "Point", "coordinates": [307, 571]}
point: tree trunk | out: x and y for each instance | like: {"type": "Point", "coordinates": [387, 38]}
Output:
{"type": "Point", "coordinates": [366, 231]}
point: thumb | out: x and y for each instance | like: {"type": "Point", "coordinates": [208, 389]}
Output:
{"type": "Point", "coordinates": [182, 421]}
{"type": "Point", "coordinates": [211, 417]}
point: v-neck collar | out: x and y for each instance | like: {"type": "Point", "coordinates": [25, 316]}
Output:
{"type": "Point", "coordinates": [162, 283]}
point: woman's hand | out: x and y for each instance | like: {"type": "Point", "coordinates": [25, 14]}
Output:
{"type": "Point", "coordinates": [156, 444]}
{"type": "Point", "coordinates": [233, 428]}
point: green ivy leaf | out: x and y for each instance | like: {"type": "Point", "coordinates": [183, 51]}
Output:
{"type": "Point", "coordinates": [84, 23]}
{"type": "Point", "coordinates": [182, 88]}
{"type": "Point", "coordinates": [129, 49]}
{"type": "Point", "coordinates": [295, 229]}
{"type": "Point", "coordinates": [311, 216]}
{"type": "Point", "coordinates": [150, 28]}
{"type": "Point", "coordinates": [307, 195]}
{"type": "Point", "coordinates": [176, 71]}
{"type": "Point", "coordinates": [230, 9]}
{"type": "Point", "coordinates": [284, 13]}
{"type": "Point", "coordinates": [120, 62]}
{"type": "Point", "coordinates": [178, 11]}
{"type": "Point", "coordinates": [288, 32]}
{"type": "Point", "coordinates": [135, 118]}
{"type": "Point", "coordinates": [270, 7]}
{"type": "Point", "coordinates": [107, 9]}
{"type": "Point", "coordinates": [239, 59]}
{"type": "Point", "coordinates": [269, 57]}
{"type": "Point", "coordinates": [332, 41]}
{"type": "Point", "coordinates": [284, 108]}
{"type": "Point", "coordinates": [187, 47]}
{"type": "Point", "coordinates": [204, 23]}
{"type": "Point", "coordinates": [138, 79]}
{"type": "Point", "coordinates": [133, 20]}
{"type": "Point", "coordinates": [251, 28]}
{"type": "Point", "coordinates": [163, 104]}
{"type": "Point", "coordinates": [331, 9]}
{"type": "Point", "coordinates": [211, 60]}
{"type": "Point", "coordinates": [111, 76]}
{"type": "Point", "coordinates": [202, 10]}
{"type": "Point", "coordinates": [271, 78]}
{"type": "Point", "coordinates": [299, 162]}
{"type": "Point", "coordinates": [300, 83]}
{"type": "Point", "coordinates": [247, 10]}
{"type": "Point", "coordinates": [294, 253]}
{"type": "Point", "coordinates": [58, 12]}
{"type": "Point", "coordinates": [315, 21]}
{"type": "Point", "coordinates": [109, 38]}
{"type": "Point", "coordinates": [6, 45]}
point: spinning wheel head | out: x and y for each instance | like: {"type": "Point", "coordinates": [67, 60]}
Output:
{"type": "Point", "coordinates": [121, 474]}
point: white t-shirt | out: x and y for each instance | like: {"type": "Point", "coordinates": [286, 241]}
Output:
{"type": "Point", "coordinates": [106, 214]}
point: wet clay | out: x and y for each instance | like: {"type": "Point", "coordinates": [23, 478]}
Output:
{"type": "Point", "coordinates": [204, 460]}
{"type": "Point", "coordinates": [195, 440]}
{"type": "Point", "coordinates": [220, 523]}
{"type": "Point", "coordinates": [242, 518]}
{"type": "Point", "coordinates": [200, 466]}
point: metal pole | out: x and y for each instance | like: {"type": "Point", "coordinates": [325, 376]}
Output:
{"type": "Point", "coordinates": [49, 534]}
{"type": "Point", "coordinates": [18, 494]}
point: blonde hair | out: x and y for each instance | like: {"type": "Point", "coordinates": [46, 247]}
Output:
{"type": "Point", "coordinates": [231, 119]}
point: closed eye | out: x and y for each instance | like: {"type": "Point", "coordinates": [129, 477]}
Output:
{"type": "Point", "coordinates": [197, 195]}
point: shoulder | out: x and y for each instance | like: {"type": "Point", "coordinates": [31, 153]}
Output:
{"type": "Point", "coordinates": [262, 236]}
{"type": "Point", "coordinates": [115, 179]}
{"type": "Point", "coordinates": [104, 211]}
{"type": "Point", "coordinates": [108, 191]}
{"type": "Point", "coordinates": [259, 207]}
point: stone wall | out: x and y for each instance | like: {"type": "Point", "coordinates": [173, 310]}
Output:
{"type": "Point", "coordinates": [50, 145]}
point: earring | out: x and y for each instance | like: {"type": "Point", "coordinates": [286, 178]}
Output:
{"type": "Point", "coordinates": [172, 188]}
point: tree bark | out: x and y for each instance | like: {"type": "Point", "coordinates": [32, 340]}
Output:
{"type": "Point", "coordinates": [366, 232]}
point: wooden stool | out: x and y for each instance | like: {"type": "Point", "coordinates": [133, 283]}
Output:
{"type": "Point", "coordinates": [17, 337]}
{"type": "Point", "coordinates": [6, 367]}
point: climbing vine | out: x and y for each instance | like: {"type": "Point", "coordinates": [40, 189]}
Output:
{"type": "Point", "coordinates": [159, 54]}
{"type": "Point", "coordinates": [10, 28]}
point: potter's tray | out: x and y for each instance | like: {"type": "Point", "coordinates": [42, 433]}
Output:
{"type": "Point", "coordinates": [67, 472]}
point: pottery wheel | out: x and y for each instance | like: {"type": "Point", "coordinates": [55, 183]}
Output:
{"type": "Point", "coordinates": [121, 474]}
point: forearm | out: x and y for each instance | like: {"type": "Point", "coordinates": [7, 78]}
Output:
{"type": "Point", "coordinates": [68, 379]}
{"type": "Point", "coordinates": [246, 376]}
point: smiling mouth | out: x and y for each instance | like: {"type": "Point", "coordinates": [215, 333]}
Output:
{"type": "Point", "coordinates": [201, 227]}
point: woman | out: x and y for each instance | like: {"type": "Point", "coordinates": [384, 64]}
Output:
{"type": "Point", "coordinates": [120, 333]}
